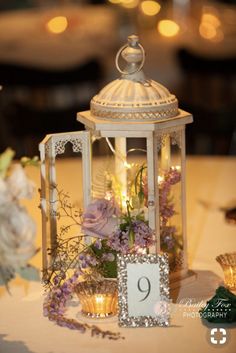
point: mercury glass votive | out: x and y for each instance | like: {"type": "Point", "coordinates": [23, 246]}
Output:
{"type": "Point", "coordinates": [228, 264]}
{"type": "Point", "coordinates": [98, 298]}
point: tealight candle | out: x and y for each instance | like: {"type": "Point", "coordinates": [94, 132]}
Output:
{"type": "Point", "coordinates": [228, 265]}
{"type": "Point", "coordinates": [98, 299]}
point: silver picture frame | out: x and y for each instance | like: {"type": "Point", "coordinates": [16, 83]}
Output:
{"type": "Point", "coordinates": [161, 317]}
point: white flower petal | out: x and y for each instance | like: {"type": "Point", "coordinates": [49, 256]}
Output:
{"type": "Point", "coordinates": [19, 185]}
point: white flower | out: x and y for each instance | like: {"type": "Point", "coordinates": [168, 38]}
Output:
{"type": "Point", "coordinates": [19, 185]}
{"type": "Point", "coordinates": [5, 195]}
{"type": "Point", "coordinates": [17, 234]}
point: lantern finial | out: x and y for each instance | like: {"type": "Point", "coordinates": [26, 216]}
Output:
{"type": "Point", "coordinates": [133, 53]}
{"type": "Point", "coordinates": [133, 40]}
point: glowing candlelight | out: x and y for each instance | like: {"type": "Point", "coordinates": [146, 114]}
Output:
{"type": "Point", "coordinates": [230, 277]}
{"type": "Point", "coordinates": [121, 163]}
{"type": "Point", "coordinates": [228, 265]}
{"type": "Point", "coordinates": [98, 299]}
{"type": "Point", "coordinates": [124, 200]}
{"type": "Point", "coordinates": [165, 153]}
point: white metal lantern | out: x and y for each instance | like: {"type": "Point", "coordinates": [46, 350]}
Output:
{"type": "Point", "coordinates": [139, 122]}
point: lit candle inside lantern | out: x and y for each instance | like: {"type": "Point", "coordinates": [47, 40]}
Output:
{"type": "Point", "coordinates": [124, 201]}
{"type": "Point", "coordinates": [121, 164]}
{"type": "Point", "coordinates": [165, 154]}
{"type": "Point", "coordinates": [160, 179]}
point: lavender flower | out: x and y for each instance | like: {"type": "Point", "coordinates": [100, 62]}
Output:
{"type": "Point", "coordinates": [143, 234]}
{"type": "Point", "coordinates": [143, 237]}
{"type": "Point", "coordinates": [98, 244]}
{"type": "Point", "coordinates": [173, 176]}
{"type": "Point", "coordinates": [119, 241]}
{"type": "Point", "coordinates": [87, 260]}
{"type": "Point", "coordinates": [54, 307]}
{"type": "Point", "coordinates": [167, 236]}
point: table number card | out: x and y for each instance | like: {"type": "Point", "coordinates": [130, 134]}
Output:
{"type": "Point", "coordinates": [143, 290]}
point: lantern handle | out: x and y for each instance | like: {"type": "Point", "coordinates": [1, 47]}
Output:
{"type": "Point", "coordinates": [132, 55]}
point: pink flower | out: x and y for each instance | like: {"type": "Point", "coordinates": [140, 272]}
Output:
{"type": "Point", "coordinates": [100, 218]}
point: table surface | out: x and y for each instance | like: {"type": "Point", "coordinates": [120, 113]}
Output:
{"type": "Point", "coordinates": [210, 185]}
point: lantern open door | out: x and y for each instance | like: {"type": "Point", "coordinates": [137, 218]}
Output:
{"type": "Point", "coordinates": [52, 147]}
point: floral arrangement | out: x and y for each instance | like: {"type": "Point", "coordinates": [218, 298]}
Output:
{"type": "Point", "coordinates": [102, 231]}
{"type": "Point", "coordinates": [17, 229]}
{"type": "Point", "coordinates": [111, 232]}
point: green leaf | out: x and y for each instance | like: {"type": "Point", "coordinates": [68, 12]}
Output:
{"type": "Point", "coordinates": [131, 238]}
{"type": "Point", "coordinates": [5, 161]}
{"type": "Point", "coordinates": [141, 196]}
{"type": "Point", "coordinates": [110, 269]}
{"type": "Point", "coordinates": [4, 281]}
{"type": "Point", "coordinates": [29, 273]}
{"type": "Point", "coordinates": [221, 308]}
{"type": "Point", "coordinates": [26, 161]}
{"type": "Point", "coordinates": [6, 275]}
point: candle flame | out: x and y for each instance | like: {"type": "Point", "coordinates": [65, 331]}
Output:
{"type": "Point", "coordinates": [127, 165]}
{"type": "Point", "coordinates": [99, 299]}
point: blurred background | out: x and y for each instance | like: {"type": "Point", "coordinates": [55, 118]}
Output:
{"type": "Point", "coordinates": [56, 55]}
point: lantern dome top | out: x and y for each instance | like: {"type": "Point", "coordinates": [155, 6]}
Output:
{"type": "Point", "coordinates": [133, 97]}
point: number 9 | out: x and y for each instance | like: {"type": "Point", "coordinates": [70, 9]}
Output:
{"type": "Point", "coordinates": [144, 289]}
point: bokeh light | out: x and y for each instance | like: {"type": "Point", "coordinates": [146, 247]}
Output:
{"type": "Point", "coordinates": [57, 24]}
{"type": "Point", "coordinates": [210, 27]}
{"type": "Point", "coordinates": [212, 19]}
{"type": "Point", "coordinates": [207, 30]}
{"type": "Point", "coordinates": [168, 28]}
{"type": "Point", "coordinates": [150, 8]}
{"type": "Point", "coordinates": [130, 4]}
{"type": "Point", "coordinates": [115, 1]}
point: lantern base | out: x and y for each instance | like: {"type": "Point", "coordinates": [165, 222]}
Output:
{"type": "Point", "coordinates": [181, 279]}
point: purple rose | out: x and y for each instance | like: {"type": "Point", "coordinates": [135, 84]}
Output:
{"type": "Point", "coordinates": [100, 218]}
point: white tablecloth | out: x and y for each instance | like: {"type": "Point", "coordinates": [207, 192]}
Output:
{"type": "Point", "coordinates": [23, 329]}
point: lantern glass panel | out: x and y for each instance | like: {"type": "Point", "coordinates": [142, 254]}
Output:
{"type": "Point", "coordinates": [170, 200]}
{"type": "Point", "coordinates": [117, 164]}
